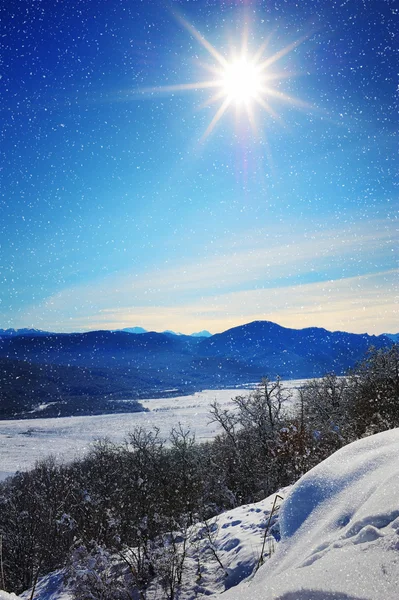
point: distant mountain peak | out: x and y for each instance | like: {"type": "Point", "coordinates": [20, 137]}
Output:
{"type": "Point", "coordinates": [170, 332]}
{"type": "Point", "coordinates": [203, 333]}
{"type": "Point", "coordinates": [10, 332]}
{"type": "Point", "coordinates": [133, 330]}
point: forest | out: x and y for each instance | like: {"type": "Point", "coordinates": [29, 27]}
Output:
{"type": "Point", "coordinates": [120, 517]}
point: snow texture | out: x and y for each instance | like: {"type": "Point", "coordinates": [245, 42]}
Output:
{"type": "Point", "coordinates": [235, 537]}
{"type": "Point", "coordinates": [339, 528]}
{"type": "Point", "coordinates": [50, 587]}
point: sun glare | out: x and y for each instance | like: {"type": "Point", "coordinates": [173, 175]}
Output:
{"type": "Point", "coordinates": [243, 80]}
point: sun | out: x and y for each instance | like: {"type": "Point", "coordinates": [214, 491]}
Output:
{"type": "Point", "coordinates": [243, 80]}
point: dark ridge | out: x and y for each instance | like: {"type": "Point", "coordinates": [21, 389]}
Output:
{"type": "Point", "coordinates": [85, 371]}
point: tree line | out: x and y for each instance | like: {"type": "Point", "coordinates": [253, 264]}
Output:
{"type": "Point", "coordinates": [120, 517]}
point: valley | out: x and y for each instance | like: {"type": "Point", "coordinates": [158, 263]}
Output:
{"type": "Point", "coordinates": [25, 441]}
{"type": "Point", "coordinates": [61, 375]}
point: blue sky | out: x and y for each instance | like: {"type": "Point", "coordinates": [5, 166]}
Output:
{"type": "Point", "coordinates": [114, 213]}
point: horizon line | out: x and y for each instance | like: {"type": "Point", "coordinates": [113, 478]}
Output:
{"type": "Point", "coordinates": [195, 333]}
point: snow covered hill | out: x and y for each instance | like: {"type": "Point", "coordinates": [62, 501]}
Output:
{"type": "Point", "coordinates": [340, 536]}
{"type": "Point", "coordinates": [340, 530]}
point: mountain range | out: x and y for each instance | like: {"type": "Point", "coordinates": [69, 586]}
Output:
{"type": "Point", "coordinates": [10, 332]}
{"type": "Point", "coordinates": [81, 373]}
{"type": "Point", "coordinates": [33, 332]}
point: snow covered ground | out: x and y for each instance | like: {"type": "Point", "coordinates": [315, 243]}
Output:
{"type": "Point", "coordinates": [340, 530]}
{"type": "Point", "coordinates": [236, 537]}
{"type": "Point", "coordinates": [24, 441]}
{"type": "Point", "coordinates": [340, 536]}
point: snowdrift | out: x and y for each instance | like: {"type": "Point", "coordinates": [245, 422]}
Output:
{"type": "Point", "coordinates": [340, 530]}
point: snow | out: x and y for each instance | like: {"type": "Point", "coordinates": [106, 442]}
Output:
{"type": "Point", "coordinates": [339, 528]}
{"type": "Point", "coordinates": [24, 441]}
{"type": "Point", "coordinates": [340, 536]}
{"type": "Point", "coordinates": [237, 538]}
{"type": "Point", "coordinates": [50, 587]}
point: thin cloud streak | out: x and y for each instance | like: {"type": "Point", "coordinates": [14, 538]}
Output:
{"type": "Point", "coordinates": [346, 304]}
{"type": "Point", "coordinates": [252, 270]}
{"type": "Point", "coordinates": [264, 264]}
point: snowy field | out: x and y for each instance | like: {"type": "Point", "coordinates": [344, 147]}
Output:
{"type": "Point", "coordinates": [23, 442]}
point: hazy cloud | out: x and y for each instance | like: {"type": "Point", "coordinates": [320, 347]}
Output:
{"type": "Point", "coordinates": [267, 280]}
{"type": "Point", "coordinates": [346, 304]}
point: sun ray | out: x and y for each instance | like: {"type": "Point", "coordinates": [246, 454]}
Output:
{"type": "Point", "coordinates": [214, 69]}
{"type": "Point", "coordinates": [243, 80]}
{"type": "Point", "coordinates": [272, 59]}
{"type": "Point", "coordinates": [266, 106]}
{"type": "Point", "coordinates": [252, 119]}
{"type": "Point", "coordinates": [285, 98]}
{"type": "Point", "coordinates": [280, 76]}
{"type": "Point", "coordinates": [260, 51]}
{"type": "Point", "coordinates": [179, 87]}
{"type": "Point", "coordinates": [202, 40]}
{"type": "Point", "coordinates": [222, 109]}
{"type": "Point", "coordinates": [215, 98]}
{"type": "Point", "coordinates": [244, 43]}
